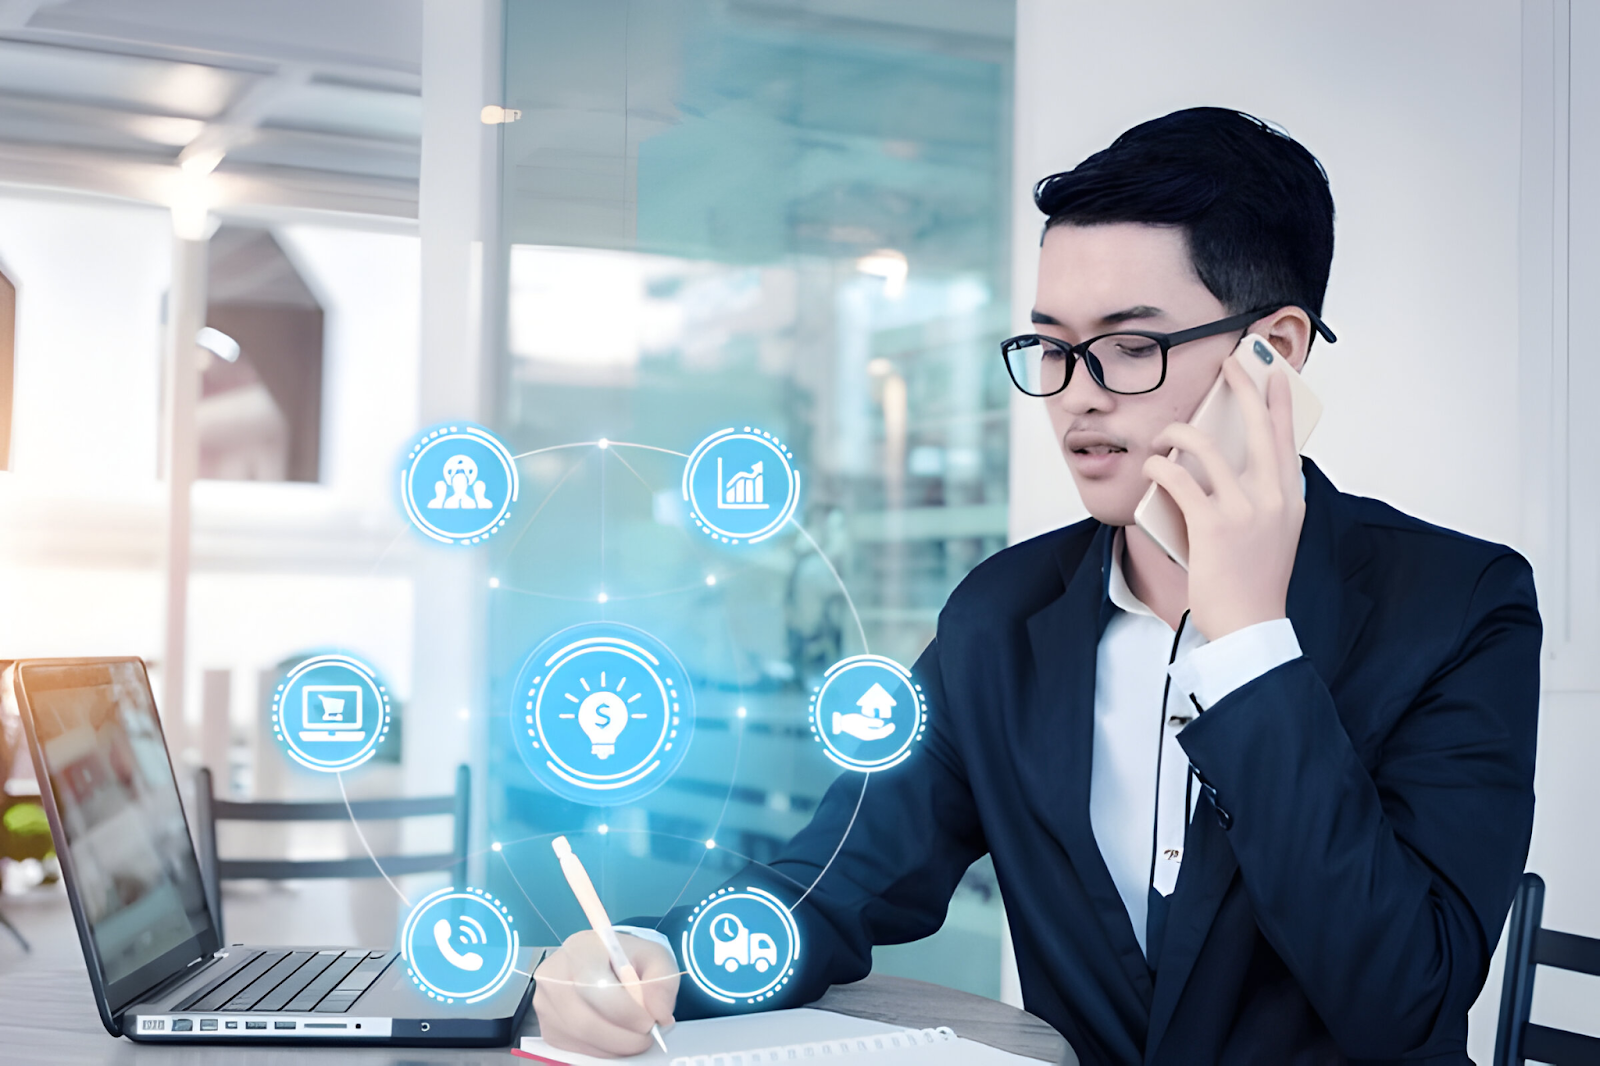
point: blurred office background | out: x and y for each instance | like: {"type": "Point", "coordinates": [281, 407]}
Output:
{"type": "Point", "coordinates": [808, 215]}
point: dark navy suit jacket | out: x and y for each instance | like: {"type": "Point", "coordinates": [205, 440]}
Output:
{"type": "Point", "coordinates": [1344, 884]}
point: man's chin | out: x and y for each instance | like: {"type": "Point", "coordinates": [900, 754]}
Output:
{"type": "Point", "coordinates": [1110, 502]}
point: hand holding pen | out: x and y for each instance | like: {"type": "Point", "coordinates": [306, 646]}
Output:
{"type": "Point", "coordinates": [603, 998]}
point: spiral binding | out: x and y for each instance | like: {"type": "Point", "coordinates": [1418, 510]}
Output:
{"type": "Point", "coordinates": [823, 1049]}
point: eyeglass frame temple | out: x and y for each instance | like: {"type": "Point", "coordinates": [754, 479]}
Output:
{"type": "Point", "coordinates": [1166, 340]}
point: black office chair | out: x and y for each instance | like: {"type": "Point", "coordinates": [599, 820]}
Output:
{"type": "Point", "coordinates": [1529, 944]}
{"type": "Point", "coordinates": [209, 811]}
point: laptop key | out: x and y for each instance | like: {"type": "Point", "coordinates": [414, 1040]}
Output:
{"type": "Point", "coordinates": [324, 982]}
{"type": "Point", "coordinates": [257, 966]}
{"type": "Point", "coordinates": [296, 982]}
{"type": "Point", "coordinates": [337, 1002]}
{"type": "Point", "coordinates": [360, 978]}
{"type": "Point", "coordinates": [247, 997]}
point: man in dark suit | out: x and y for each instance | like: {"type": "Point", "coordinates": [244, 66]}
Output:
{"type": "Point", "coordinates": [1318, 740]}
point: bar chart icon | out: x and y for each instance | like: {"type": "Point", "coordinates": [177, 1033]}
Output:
{"type": "Point", "coordinates": [744, 491]}
{"type": "Point", "coordinates": [741, 485]}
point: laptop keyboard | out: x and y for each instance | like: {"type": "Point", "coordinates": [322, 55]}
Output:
{"type": "Point", "coordinates": [325, 982]}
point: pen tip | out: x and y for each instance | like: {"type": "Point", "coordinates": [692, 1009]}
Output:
{"type": "Point", "coordinates": [563, 849]}
{"type": "Point", "coordinates": [655, 1031]}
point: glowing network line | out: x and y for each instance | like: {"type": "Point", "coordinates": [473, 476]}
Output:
{"type": "Point", "coordinates": [605, 444]}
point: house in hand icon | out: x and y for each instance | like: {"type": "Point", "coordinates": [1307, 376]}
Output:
{"type": "Point", "coordinates": [872, 721]}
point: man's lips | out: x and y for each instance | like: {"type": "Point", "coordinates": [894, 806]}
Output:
{"type": "Point", "coordinates": [1090, 443]}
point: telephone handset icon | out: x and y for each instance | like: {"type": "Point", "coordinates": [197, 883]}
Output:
{"type": "Point", "coordinates": [470, 961]}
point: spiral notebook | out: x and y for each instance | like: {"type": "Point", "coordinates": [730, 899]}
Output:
{"type": "Point", "coordinates": [803, 1035]}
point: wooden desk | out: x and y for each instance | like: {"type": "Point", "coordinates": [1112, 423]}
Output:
{"type": "Point", "coordinates": [48, 1016]}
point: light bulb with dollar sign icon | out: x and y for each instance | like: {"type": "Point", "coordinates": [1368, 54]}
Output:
{"type": "Point", "coordinates": [602, 716]}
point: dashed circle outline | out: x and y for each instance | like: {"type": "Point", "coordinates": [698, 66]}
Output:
{"type": "Point", "coordinates": [497, 908]}
{"type": "Point", "coordinates": [760, 436]}
{"type": "Point", "coordinates": [438, 435]}
{"type": "Point", "coordinates": [380, 730]}
{"type": "Point", "coordinates": [782, 974]}
{"type": "Point", "coordinates": [533, 748]}
{"type": "Point", "coordinates": [919, 724]}
{"type": "Point", "coordinates": [669, 700]}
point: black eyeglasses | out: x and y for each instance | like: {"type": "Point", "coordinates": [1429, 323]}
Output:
{"type": "Point", "coordinates": [1127, 363]}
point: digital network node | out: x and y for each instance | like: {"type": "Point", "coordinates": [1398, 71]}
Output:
{"type": "Point", "coordinates": [867, 713]}
{"type": "Point", "coordinates": [602, 713]}
{"type": "Point", "coordinates": [458, 484]}
{"type": "Point", "coordinates": [460, 945]}
{"type": "Point", "coordinates": [741, 945]}
{"type": "Point", "coordinates": [330, 713]}
{"type": "Point", "coordinates": [741, 485]}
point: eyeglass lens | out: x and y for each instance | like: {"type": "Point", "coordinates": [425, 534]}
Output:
{"type": "Point", "coordinates": [1127, 363]}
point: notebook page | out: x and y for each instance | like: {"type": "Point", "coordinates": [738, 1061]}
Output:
{"type": "Point", "coordinates": [787, 1036]}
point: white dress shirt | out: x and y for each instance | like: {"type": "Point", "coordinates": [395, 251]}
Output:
{"type": "Point", "coordinates": [1140, 798]}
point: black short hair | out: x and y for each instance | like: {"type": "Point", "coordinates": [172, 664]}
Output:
{"type": "Point", "coordinates": [1253, 202]}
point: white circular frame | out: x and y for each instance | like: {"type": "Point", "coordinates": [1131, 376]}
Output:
{"type": "Point", "coordinates": [285, 736]}
{"type": "Point", "coordinates": [441, 435]}
{"type": "Point", "coordinates": [919, 723]}
{"type": "Point", "coordinates": [669, 721]}
{"type": "Point", "coordinates": [782, 454]}
{"type": "Point", "coordinates": [780, 974]}
{"type": "Point", "coordinates": [495, 907]}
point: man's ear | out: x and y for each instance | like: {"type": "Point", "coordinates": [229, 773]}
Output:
{"type": "Point", "coordinates": [1288, 330]}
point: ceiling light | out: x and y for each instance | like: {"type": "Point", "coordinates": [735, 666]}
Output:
{"type": "Point", "coordinates": [201, 161]}
{"type": "Point", "coordinates": [888, 264]}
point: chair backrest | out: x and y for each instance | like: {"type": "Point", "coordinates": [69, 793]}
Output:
{"type": "Point", "coordinates": [1528, 945]}
{"type": "Point", "coordinates": [209, 811]}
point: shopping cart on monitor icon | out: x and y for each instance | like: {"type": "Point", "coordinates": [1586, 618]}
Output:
{"type": "Point", "coordinates": [331, 712]}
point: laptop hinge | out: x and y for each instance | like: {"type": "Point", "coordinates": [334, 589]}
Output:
{"type": "Point", "coordinates": [172, 981]}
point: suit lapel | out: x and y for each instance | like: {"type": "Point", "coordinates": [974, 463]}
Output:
{"type": "Point", "coordinates": [1065, 639]}
{"type": "Point", "coordinates": [1327, 614]}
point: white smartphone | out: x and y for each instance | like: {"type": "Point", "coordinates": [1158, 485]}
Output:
{"type": "Point", "coordinates": [1219, 417]}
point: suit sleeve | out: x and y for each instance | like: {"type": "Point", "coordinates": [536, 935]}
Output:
{"type": "Point", "coordinates": [877, 864]}
{"type": "Point", "coordinates": [1384, 890]}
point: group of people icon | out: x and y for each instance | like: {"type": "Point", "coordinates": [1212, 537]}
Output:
{"type": "Point", "coordinates": [460, 476]}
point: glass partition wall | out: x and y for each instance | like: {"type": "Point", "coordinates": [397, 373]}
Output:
{"type": "Point", "coordinates": [726, 213]}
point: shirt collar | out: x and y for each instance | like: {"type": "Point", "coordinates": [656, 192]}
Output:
{"type": "Point", "coordinates": [1117, 590]}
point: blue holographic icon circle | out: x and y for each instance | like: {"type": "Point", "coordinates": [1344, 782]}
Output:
{"type": "Point", "coordinates": [603, 713]}
{"type": "Point", "coordinates": [330, 713]}
{"type": "Point", "coordinates": [867, 713]}
{"type": "Point", "coordinates": [460, 945]}
{"type": "Point", "coordinates": [458, 484]}
{"type": "Point", "coordinates": [741, 485]}
{"type": "Point", "coordinates": [741, 945]}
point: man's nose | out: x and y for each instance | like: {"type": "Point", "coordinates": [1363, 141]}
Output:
{"type": "Point", "coordinates": [1083, 393]}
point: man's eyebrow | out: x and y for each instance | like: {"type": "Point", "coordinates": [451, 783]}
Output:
{"type": "Point", "coordinates": [1138, 311]}
{"type": "Point", "coordinates": [1131, 314]}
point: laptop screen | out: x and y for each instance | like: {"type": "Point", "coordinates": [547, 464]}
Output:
{"type": "Point", "coordinates": [132, 865]}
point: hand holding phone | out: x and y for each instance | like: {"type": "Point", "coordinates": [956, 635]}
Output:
{"type": "Point", "coordinates": [1220, 418]}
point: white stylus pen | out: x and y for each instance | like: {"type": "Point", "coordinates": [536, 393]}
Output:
{"type": "Point", "coordinates": [594, 910]}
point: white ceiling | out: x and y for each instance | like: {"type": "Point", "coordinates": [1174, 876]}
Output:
{"type": "Point", "coordinates": [315, 103]}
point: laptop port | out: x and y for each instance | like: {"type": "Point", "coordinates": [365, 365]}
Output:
{"type": "Point", "coordinates": [255, 1025]}
{"type": "Point", "coordinates": [182, 1025]}
{"type": "Point", "coordinates": [232, 1025]}
{"type": "Point", "coordinates": [208, 1025]}
{"type": "Point", "coordinates": [283, 1025]}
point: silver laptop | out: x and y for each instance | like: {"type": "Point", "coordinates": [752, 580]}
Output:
{"type": "Point", "coordinates": [158, 969]}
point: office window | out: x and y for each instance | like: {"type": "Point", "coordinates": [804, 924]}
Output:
{"type": "Point", "coordinates": [260, 414]}
{"type": "Point", "coordinates": [8, 363]}
{"type": "Point", "coordinates": [743, 214]}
